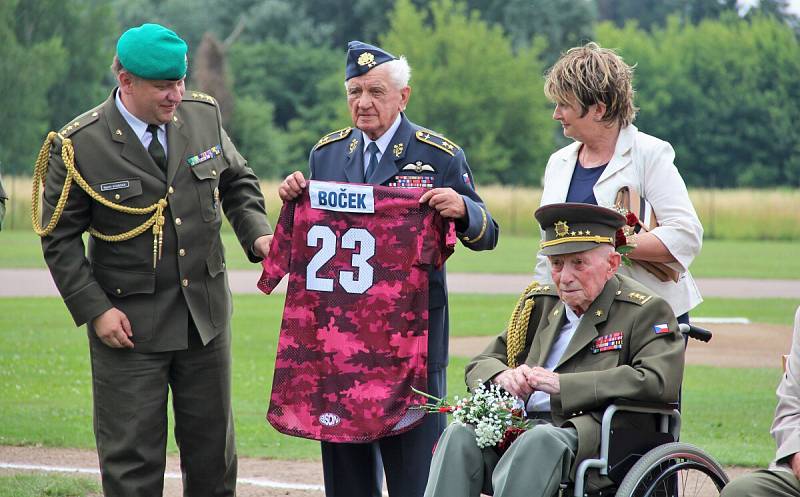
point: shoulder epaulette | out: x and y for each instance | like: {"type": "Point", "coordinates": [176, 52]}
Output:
{"type": "Point", "coordinates": [199, 96]}
{"type": "Point", "coordinates": [633, 296]}
{"type": "Point", "coordinates": [438, 141]}
{"type": "Point", "coordinates": [542, 290]}
{"type": "Point", "coordinates": [80, 122]}
{"type": "Point", "coordinates": [333, 136]}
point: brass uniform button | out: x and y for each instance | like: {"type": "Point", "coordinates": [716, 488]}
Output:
{"type": "Point", "coordinates": [119, 291]}
{"type": "Point", "coordinates": [185, 282]}
{"type": "Point", "coordinates": [213, 172]}
{"type": "Point", "coordinates": [116, 196]}
{"type": "Point", "coordinates": [171, 190]}
{"type": "Point", "coordinates": [178, 221]}
{"type": "Point", "coordinates": [181, 252]}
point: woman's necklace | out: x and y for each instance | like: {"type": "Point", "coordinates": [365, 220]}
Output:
{"type": "Point", "coordinates": [587, 163]}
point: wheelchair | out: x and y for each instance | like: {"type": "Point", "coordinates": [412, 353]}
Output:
{"type": "Point", "coordinates": [650, 464]}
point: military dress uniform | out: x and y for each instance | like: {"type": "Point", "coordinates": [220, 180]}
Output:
{"type": "Point", "coordinates": [415, 157]}
{"type": "Point", "coordinates": [173, 288]}
{"type": "Point", "coordinates": [626, 345]}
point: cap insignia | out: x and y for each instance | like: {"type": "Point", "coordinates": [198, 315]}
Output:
{"type": "Point", "coordinates": [562, 228]}
{"type": "Point", "coordinates": [366, 59]}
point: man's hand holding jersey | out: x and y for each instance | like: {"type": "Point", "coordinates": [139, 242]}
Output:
{"type": "Point", "coordinates": [446, 201]}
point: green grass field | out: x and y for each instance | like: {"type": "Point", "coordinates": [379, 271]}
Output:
{"type": "Point", "coordinates": [45, 389]}
{"type": "Point", "coordinates": [48, 486]}
{"type": "Point", "coordinates": [514, 254]}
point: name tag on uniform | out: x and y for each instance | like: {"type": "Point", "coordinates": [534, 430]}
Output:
{"type": "Point", "coordinates": [116, 185]}
{"type": "Point", "coordinates": [341, 198]}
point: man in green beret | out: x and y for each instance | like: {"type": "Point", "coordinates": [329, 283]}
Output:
{"type": "Point", "coordinates": [593, 337]}
{"type": "Point", "coordinates": [157, 171]}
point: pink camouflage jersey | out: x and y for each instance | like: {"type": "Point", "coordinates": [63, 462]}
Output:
{"type": "Point", "coordinates": [354, 335]}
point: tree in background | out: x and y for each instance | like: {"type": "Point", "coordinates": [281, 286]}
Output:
{"type": "Point", "coordinates": [54, 63]}
{"type": "Point", "coordinates": [654, 13]}
{"type": "Point", "coordinates": [562, 23]}
{"type": "Point", "coordinates": [470, 85]}
{"type": "Point", "coordinates": [211, 73]}
{"type": "Point", "coordinates": [723, 92]}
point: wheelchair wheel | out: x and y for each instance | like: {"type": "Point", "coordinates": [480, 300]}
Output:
{"type": "Point", "coordinates": [674, 470]}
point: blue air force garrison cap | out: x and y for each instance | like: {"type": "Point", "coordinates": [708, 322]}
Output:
{"type": "Point", "coordinates": [152, 51]}
{"type": "Point", "coordinates": [574, 227]}
{"type": "Point", "coordinates": [361, 57]}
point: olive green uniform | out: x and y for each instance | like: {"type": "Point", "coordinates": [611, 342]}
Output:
{"type": "Point", "coordinates": [648, 366]}
{"type": "Point", "coordinates": [179, 310]}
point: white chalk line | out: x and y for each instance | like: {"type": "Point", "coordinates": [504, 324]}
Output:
{"type": "Point", "coordinates": [258, 482]}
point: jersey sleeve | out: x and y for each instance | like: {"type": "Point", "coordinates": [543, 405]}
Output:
{"type": "Point", "coordinates": [276, 264]}
{"type": "Point", "coordinates": [439, 241]}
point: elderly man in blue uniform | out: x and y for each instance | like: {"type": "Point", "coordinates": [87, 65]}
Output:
{"type": "Point", "coordinates": [385, 148]}
{"type": "Point", "coordinates": [159, 170]}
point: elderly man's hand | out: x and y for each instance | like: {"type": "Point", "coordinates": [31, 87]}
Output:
{"type": "Point", "coordinates": [514, 381]}
{"type": "Point", "coordinates": [543, 380]}
{"type": "Point", "coordinates": [261, 246]}
{"type": "Point", "coordinates": [447, 201]}
{"type": "Point", "coordinates": [292, 186]}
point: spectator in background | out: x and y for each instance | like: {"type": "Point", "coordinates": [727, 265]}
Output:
{"type": "Point", "coordinates": [591, 87]}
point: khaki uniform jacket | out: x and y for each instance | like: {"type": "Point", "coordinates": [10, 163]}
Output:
{"type": "Point", "coordinates": [786, 426]}
{"type": "Point", "coordinates": [190, 278]}
{"type": "Point", "coordinates": [648, 367]}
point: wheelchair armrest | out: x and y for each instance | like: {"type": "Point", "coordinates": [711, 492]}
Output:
{"type": "Point", "coordinates": [668, 411]}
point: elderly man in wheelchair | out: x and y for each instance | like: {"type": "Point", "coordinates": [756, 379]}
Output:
{"type": "Point", "coordinates": [571, 351]}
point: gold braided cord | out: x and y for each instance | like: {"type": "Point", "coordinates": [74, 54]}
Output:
{"type": "Point", "coordinates": [518, 325]}
{"type": "Point", "coordinates": [156, 221]}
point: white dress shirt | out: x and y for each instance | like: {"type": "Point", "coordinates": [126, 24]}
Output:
{"type": "Point", "coordinates": [382, 142]}
{"type": "Point", "coordinates": [139, 127]}
{"type": "Point", "coordinates": [540, 401]}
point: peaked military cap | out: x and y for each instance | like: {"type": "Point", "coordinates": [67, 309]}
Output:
{"type": "Point", "coordinates": [574, 227]}
{"type": "Point", "coordinates": [361, 57]}
{"type": "Point", "coordinates": [152, 51]}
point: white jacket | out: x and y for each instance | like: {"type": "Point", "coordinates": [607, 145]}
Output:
{"type": "Point", "coordinates": [646, 164]}
{"type": "Point", "coordinates": [786, 425]}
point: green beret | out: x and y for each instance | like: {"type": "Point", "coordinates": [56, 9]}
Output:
{"type": "Point", "coordinates": [152, 51]}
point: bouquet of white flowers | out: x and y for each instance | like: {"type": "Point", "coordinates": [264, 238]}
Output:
{"type": "Point", "coordinates": [497, 416]}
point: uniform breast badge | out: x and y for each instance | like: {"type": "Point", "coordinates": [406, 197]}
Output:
{"type": "Point", "coordinates": [418, 167]}
{"type": "Point", "coordinates": [411, 181]}
{"type": "Point", "coordinates": [605, 343]}
{"type": "Point", "coordinates": [209, 154]}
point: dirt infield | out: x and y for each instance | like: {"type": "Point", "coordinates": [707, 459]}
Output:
{"type": "Point", "coordinates": [733, 345]}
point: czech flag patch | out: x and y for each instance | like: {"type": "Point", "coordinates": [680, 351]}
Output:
{"type": "Point", "coordinates": [660, 329]}
{"type": "Point", "coordinates": [465, 177]}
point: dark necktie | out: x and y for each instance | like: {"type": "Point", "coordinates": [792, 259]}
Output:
{"type": "Point", "coordinates": [156, 150]}
{"type": "Point", "coordinates": [372, 148]}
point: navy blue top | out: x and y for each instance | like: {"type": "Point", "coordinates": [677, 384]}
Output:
{"type": "Point", "coordinates": [582, 183]}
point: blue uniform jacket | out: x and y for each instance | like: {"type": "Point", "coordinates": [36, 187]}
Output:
{"type": "Point", "coordinates": [414, 153]}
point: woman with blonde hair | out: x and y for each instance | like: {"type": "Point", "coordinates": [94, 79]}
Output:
{"type": "Point", "coordinates": [611, 161]}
